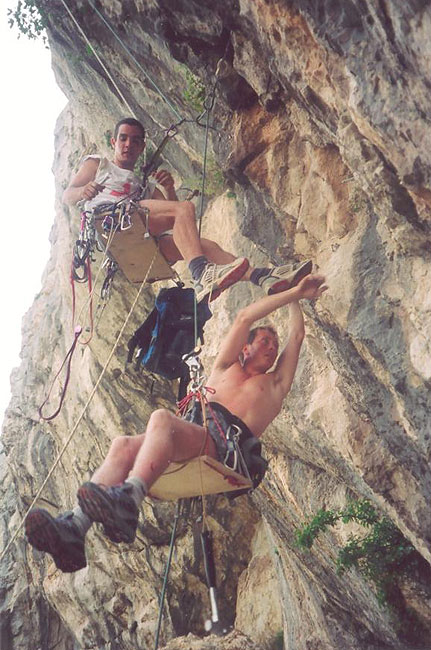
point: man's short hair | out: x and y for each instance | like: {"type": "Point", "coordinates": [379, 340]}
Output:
{"type": "Point", "coordinates": [131, 122]}
{"type": "Point", "coordinates": [252, 333]}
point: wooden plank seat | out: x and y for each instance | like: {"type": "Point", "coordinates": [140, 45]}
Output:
{"type": "Point", "coordinates": [133, 249]}
{"type": "Point", "coordinates": [202, 475]}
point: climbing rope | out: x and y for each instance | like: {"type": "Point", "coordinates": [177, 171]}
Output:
{"type": "Point", "coordinates": [78, 328]}
{"type": "Point", "coordinates": [81, 31]}
{"type": "Point", "coordinates": [68, 362]}
{"type": "Point", "coordinates": [74, 428]}
{"type": "Point", "coordinates": [165, 577]}
{"type": "Point", "coordinates": [209, 105]}
{"type": "Point", "coordinates": [144, 72]}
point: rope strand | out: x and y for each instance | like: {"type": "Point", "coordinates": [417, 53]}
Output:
{"type": "Point", "coordinates": [96, 386]}
{"type": "Point", "coordinates": [81, 31]}
{"type": "Point", "coordinates": [136, 62]}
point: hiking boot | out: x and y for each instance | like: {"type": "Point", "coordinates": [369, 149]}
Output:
{"type": "Point", "coordinates": [218, 277]}
{"type": "Point", "coordinates": [60, 537]}
{"type": "Point", "coordinates": [285, 277]}
{"type": "Point", "coordinates": [113, 507]}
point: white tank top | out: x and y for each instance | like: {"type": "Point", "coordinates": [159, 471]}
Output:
{"type": "Point", "coordinates": [118, 183]}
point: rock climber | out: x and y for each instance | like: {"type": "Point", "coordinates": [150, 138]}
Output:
{"type": "Point", "coordinates": [246, 393]}
{"type": "Point", "coordinates": [100, 181]}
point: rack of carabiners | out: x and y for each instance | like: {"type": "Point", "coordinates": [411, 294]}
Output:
{"type": "Point", "coordinates": [115, 217]}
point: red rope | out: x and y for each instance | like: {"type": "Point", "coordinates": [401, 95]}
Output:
{"type": "Point", "coordinates": [72, 282]}
{"type": "Point", "coordinates": [182, 406]}
{"type": "Point", "coordinates": [90, 307]}
{"type": "Point", "coordinates": [68, 359]}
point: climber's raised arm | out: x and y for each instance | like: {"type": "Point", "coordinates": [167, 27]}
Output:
{"type": "Point", "coordinates": [312, 286]}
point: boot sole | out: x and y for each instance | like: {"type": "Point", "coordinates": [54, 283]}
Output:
{"type": "Point", "coordinates": [284, 285]}
{"type": "Point", "coordinates": [44, 535]}
{"type": "Point", "coordinates": [225, 282]}
{"type": "Point", "coordinates": [97, 505]}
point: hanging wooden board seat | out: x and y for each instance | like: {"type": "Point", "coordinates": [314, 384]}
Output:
{"type": "Point", "coordinates": [133, 249]}
{"type": "Point", "coordinates": [200, 476]}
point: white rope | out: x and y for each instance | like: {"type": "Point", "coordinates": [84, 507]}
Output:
{"type": "Point", "coordinates": [81, 31]}
{"type": "Point", "coordinates": [136, 62]}
{"type": "Point", "coordinates": [69, 438]}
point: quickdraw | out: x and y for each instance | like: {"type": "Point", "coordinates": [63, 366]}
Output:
{"type": "Point", "coordinates": [148, 168]}
{"type": "Point", "coordinates": [111, 270]}
{"type": "Point", "coordinates": [84, 248]}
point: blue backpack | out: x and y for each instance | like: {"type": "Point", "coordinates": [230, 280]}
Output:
{"type": "Point", "coordinates": [168, 333]}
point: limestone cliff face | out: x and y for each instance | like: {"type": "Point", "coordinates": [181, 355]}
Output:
{"type": "Point", "coordinates": [322, 136]}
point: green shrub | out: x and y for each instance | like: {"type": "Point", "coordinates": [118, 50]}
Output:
{"type": "Point", "coordinates": [194, 92]}
{"type": "Point", "coordinates": [381, 556]}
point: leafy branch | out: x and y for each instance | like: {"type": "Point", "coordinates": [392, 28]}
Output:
{"type": "Point", "coordinates": [29, 18]}
{"type": "Point", "coordinates": [381, 556]}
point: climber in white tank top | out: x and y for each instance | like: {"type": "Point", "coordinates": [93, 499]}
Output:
{"type": "Point", "coordinates": [117, 183]}
{"type": "Point", "coordinates": [213, 270]}
{"type": "Point", "coordinates": [100, 181]}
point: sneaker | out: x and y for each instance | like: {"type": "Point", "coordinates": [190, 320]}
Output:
{"type": "Point", "coordinates": [113, 507]}
{"type": "Point", "coordinates": [60, 537]}
{"type": "Point", "coordinates": [285, 277]}
{"type": "Point", "coordinates": [218, 277]}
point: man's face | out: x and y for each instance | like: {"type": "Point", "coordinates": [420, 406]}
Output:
{"type": "Point", "coordinates": [128, 146]}
{"type": "Point", "coordinates": [262, 352]}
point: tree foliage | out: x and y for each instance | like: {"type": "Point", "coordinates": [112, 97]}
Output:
{"type": "Point", "coordinates": [29, 18]}
{"type": "Point", "coordinates": [382, 556]}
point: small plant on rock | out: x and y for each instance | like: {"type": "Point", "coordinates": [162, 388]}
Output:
{"type": "Point", "coordinates": [382, 556]}
{"type": "Point", "coordinates": [194, 92]}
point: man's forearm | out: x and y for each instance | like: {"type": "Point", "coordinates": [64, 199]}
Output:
{"type": "Point", "coordinates": [268, 304]}
{"type": "Point", "coordinates": [296, 320]}
{"type": "Point", "coordinates": [171, 194]}
{"type": "Point", "coordinates": [72, 195]}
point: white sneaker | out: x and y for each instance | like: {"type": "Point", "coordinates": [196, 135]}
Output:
{"type": "Point", "coordinates": [218, 277]}
{"type": "Point", "coordinates": [285, 277]}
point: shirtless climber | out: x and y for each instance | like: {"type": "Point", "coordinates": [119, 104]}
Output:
{"type": "Point", "coordinates": [246, 394]}
{"type": "Point", "coordinates": [100, 181]}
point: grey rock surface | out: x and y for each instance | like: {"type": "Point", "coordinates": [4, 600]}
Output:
{"type": "Point", "coordinates": [320, 149]}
